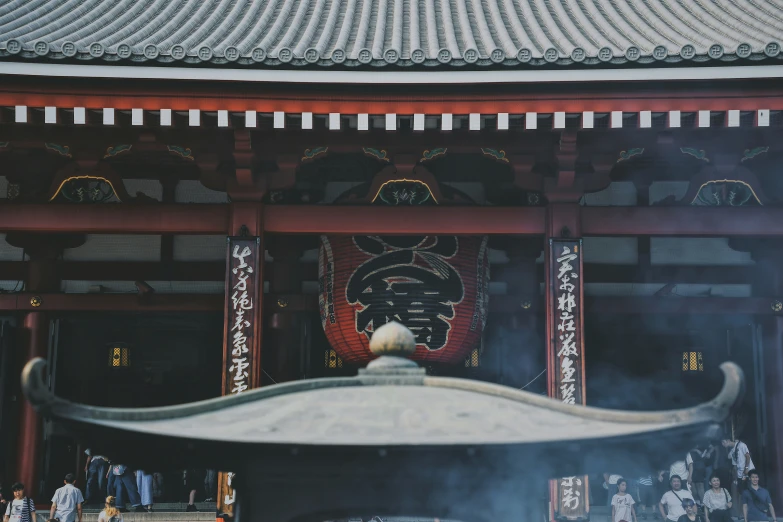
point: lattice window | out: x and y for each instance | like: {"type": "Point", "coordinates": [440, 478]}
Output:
{"type": "Point", "coordinates": [473, 360]}
{"type": "Point", "coordinates": [331, 360]}
{"type": "Point", "coordinates": [119, 356]}
{"type": "Point", "coordinates": [692, 362]}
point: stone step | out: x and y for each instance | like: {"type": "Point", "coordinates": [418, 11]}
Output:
{"type": "Point", "coordinates": [169, 507]}
{"type": "Point", "coordinates": [164, 512]}
{"type": "Point", "coordinates": [156, 516]}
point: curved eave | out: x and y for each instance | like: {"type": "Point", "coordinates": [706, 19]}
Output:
{"type": "Point", "coordinates": [291, 414]}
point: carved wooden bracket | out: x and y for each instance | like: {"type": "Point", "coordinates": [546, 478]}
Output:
{"type": "Point", "coordinates": [244, 185]}
{"type": "Point", "coordinates": [524, 177]}
{"type": "Point", "coordinates": [89, 169]}
{"type": "Point", "coordinates": [600, 178]}
{"type": "Point", "coordinates": [563, 188]}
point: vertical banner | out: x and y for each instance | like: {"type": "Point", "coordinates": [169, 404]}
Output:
{"type": "Point", "coordinates": [566, 357]}
{"type": "Point", "coordinates": [241, 336]}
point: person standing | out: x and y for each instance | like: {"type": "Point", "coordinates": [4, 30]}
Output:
{"type": "Point", "coordinates": [193, 480]}
{"type": "Point", "coordinates": [210, 485]}
{"type": "Point", "coordinates": [691, 512]}
{"type": "Point", "coordinates": [680, 469]}
{"type": "Point", "coordinates": [144, 485]}
{"type": "Point", "coordinates": [741, 464]}
{"type": "Point", "coordinates": [67, 502]}
{"type": "Point", "coordinates": [756, 502]}
{"type": "Point", "coordinates": [21, 508]}
{"type": "Point", "coordinates": [95, 468]}
{"type": "Point", "coordinates": [710, 462]}
{"type": "Point", "coordinates": [697, 472]}
{"type": "Point", "coordinates": [610, 484]}
{"type": "Point", "coordinates": [645, 495]}
{"type": "Point", "coordinates": [671, 502]}
{"type": "Point", "coordinates": [124, 484]}
{"type": "Point", "coordinates": [622, 504]}
{"type": "Point", "coordinates": [717, 502]}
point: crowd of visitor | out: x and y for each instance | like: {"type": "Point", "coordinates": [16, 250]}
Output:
{"type": "Point", "coordinates": [112, 485]}
{"type": "Point", "coordinates": [714, 482]}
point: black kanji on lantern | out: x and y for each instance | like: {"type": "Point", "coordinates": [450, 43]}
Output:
{"type": "Point", "coordinates": [408, 280]}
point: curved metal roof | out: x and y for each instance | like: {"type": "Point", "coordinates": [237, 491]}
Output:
{"type": "Point", "coordinates": [385, 406]}
{"type": "Point", "coordinates": [383, 32]}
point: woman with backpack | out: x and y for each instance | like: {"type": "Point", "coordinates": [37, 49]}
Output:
{"type": "Point", "coordinates": [717, 502]}
{"type": "Point", "coordinates": [21, 508]}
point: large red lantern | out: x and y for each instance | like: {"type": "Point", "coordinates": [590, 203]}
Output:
{"type": "Point", "coordinates": [435, 285]}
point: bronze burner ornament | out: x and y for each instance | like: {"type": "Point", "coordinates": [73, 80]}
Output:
{"type": "Point", "coordinates": [391, 441]}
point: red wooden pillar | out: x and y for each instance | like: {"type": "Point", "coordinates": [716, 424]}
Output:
{"type": "Point", "coordinates": [565, 337]}
{"type": "Point", "coordinates": [34, 341]}
{"type": "Point", "coordinates": [35, 337]}
{"type": "Point", "coordinates": [243, 318]}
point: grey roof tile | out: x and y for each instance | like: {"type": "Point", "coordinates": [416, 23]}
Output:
{"type": "Point", "coordinates": [435, 33]}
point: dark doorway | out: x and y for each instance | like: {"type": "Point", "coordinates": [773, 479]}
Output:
{"type": "Point", "coordinates": [164, 359]}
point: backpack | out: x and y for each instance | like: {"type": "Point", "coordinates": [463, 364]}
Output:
{"type": "Point", "coordinates": [118, 470]}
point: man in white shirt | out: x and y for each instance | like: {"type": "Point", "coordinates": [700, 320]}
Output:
{"type": "Point", "coordinates": [740, 458]}
{"type": "Point", "coordinates": [739, 454]}
{"type": "Point", "coordinates": [671, 502]}
{"type": "Point", "coordinates": [67, 502]}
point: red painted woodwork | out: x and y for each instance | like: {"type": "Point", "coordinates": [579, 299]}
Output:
{"type": "Point", "coordinates": [319, 219]}
{"type": "Point", "coordinates": [682, 221]}
{"type": "Point", "coordinates": [243, 315]}
{"type": "Point", "coordinates": [114, 302]}
{"type": "Point", "coordinates": [379, 99]}
{"type": "Point", "coordinates": [108, 219]}
{"type": "Point", "coordinates": [316, 219]}
{"type": "Point", "coordinates": [215, 271]}
{"type": "Point", "coordinates": [436, 286]}
{"type": "Point", "coordinates": [35, 339]}
{"type": "Point", "coordinates": [309, 302]}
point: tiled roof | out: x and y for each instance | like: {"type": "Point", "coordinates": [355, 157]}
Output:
{"type": "Point", "coordinates": [434, 33]}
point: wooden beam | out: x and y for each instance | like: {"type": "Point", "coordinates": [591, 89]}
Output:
{"type": "Point", "coordinates": [309, 302]}
{"type": "Point", "coordinates": [115, 219]}
{"type": "Point", "coordinates": [680, 306]}
{"type": "Point", "coordinates": [682, 221]}
{"type": "Point", "coordinates": [380, 99]}
{"type": "Point", "coordinates": [317, 219]}
{"type": "Point", "coordinates": [113, 302]}
{"type": "Point", "coordinates": [215, 271]}
{"type": "Point", "coordinates": [593, 305]}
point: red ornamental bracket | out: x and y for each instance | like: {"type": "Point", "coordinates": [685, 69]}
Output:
{"type": "Point", "coordinates": [437, 286]}
{"type": "Point", "coordinates": [241, 363]}
{"type": "Point", "coordinates": [566, 357]}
